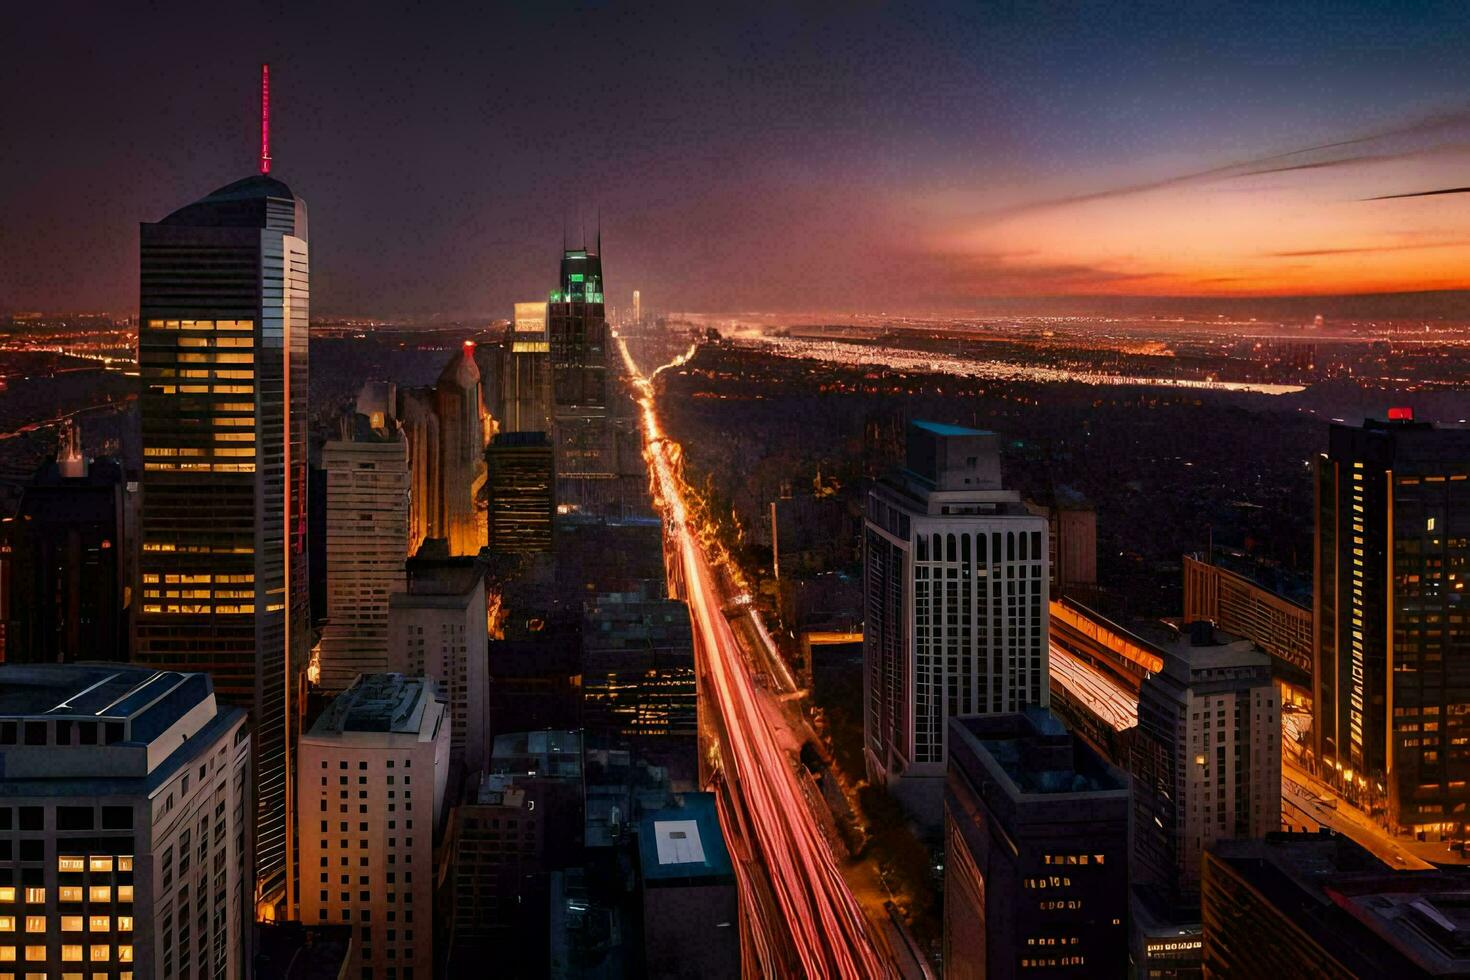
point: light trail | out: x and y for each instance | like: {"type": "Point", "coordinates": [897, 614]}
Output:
{"type": "Point", "coordinates": [1106, 698]}
{"type": "Point", "coordinates": [826, 927]}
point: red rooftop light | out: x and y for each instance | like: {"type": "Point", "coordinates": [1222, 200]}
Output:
{"type": "Point", "coordinates": [1401, 413]}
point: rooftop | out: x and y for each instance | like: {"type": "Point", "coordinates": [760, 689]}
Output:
{"type": "Point", "coordinates": [683, 844]}
{"type": "Point", "coordinates": [379, 703]}
{"type": "Point", "coordinates": [1035, 754]}
{"type": "Point", "coordinates": [948, 429]}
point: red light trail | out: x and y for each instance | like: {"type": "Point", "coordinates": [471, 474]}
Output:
{"type": "Point", "coordinates": [765, 809]}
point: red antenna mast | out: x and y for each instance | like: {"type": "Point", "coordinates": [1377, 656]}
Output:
{"type": "Point", "coordinates": [265, 118]}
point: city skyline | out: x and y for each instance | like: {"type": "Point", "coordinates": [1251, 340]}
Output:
{"type": "Point", "coordinates": [967, 155]}
{"type": "Point", "coordinates": [595, 633]}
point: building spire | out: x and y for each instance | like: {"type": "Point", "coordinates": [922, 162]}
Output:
{"type": "Point", "coordinates": [265, 118]}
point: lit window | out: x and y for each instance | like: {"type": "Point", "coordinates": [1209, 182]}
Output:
{"type": "Point", "coordinates": [7, 954]}
{"type": "Point", "coordinates": [35, 923]}
{"type": "Point", "coordinates": [7, 894]}
{"type": "Point", "coordinates": [71, 893]}
{"type": "Point", "coordinates": [124, 893]}
{"type": "Point", "coordinates": [100, 864]}
{"type": "Point", "coordinates": [125, 862]}
{"type": "Point", "coordinates": [99, 893]}
{"type": "Point", "coordinates": [36, 896]}
{"type": "Point", "coordinates": [101, 954]}
{"type": "Point", "coordinates": [70, 864]}
{"type": "Point", "coordinates": [125, 923]}
{"type": "Point", "coordinates": [71, 923]}
{"type": "Point", "coordinates": [71, 954]}
{"type": "Point", "coordinates": [100, 923]}
{"type": "Point", "coordinates": [125, 954]}
{"type": "Point", "coordinates": [35, 954]}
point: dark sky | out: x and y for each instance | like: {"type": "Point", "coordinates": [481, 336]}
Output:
{"type": "Point", "coordinates": [793, 156]}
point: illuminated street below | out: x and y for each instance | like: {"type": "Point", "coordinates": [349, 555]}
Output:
{"type": "Point", "coordinates": [813, 922]}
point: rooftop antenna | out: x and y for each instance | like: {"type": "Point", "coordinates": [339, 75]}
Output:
{"type": "Point", "coordinates": [265, 118]}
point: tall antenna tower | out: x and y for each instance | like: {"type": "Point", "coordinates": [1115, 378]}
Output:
{"type": "Point", "coordinates": [265, 118]}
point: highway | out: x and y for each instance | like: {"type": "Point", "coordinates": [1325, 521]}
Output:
{"type": "Point", "coordinates": [800, 912]}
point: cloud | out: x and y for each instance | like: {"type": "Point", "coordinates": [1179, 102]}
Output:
{"type": "Point", "coordinates": [1434, 193]}
{"type": "Point", "coordinates": [1289, 160]}
{"type": "Point", "coordinates": [1367, 249]}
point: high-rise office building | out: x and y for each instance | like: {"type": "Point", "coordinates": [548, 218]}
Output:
{"type": "Point", "coordinates": [1319, 905]}
{"type": "Point", "coordinates": [367, 543]}
{"type": "Point", "coordinates": [1035, 852]}
{"type": "Point", "coordinates": [691, 905]}
{"type": "Point", "coordinates": [461, 450]}
{"type": "Point", "coordinates": [955, 576]}
{"type": "Point", "coordinates": [524, 378]}
{"type": "Point", "coordinates": [69, 562]}
{"type": "Point", "coordinates": [222, 346]}
{"type": "Point", "coordinates": [586, 467]}
{"type": "Point", "coordinates": [638, 667]}
{"type": "Point", "coordinates": [372, 777]}
{"type": "Point", "coordinates": [1391, 702]}
{"type": "Point", "coordinates": [125, 825]}
{"type": "Point", "coordinates": [522, 501]}
{"type": "Point", "coordinates": [1206, 757]}
{"type": "Point", "coordinates": [437, 628]}
{"type": "Point", "coordinates": [1276, 623]}
{"type": "Point", "coordinates": [420, 424]}
{"type": "Point", "coordinates": [637, 309]}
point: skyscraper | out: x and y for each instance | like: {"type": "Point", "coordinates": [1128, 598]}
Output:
{"type": "Point", "coordinates": [420, 424]}
{"type": "Point", "coordinates": [1035, 852]}
{"type": "Point", "coordinates": [461, 449]}
{"type": "Point", "coordinates": [1391, 694]}
{"type": "Point", "coordinates": [437, 628]}
{"type": "Point", "coordinates": [222, 345]}
{"type": "Point", "coordinates": [524, 381]}
{"type": "Point", "coordinates": [125, 800]}
{"type": "Point", "coordinates": [955, 576]}
{"type": "Point", "coordinates": [367, 542]}
{"type": "Point", "coordinates": [522, 500]}
{"type": "Point", "coordinates": [586, 466]}
{"type": "Point", "coordinates": [69, 563]}
{"type": "Point", "coordinates": [373, 774]}
{"type": "Point", "coordinates": [637, 309]}
{"type": "Point", "coordinates": [1206, 757]}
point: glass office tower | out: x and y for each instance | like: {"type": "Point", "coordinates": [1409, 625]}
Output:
{"type": "Point", "coordinates": [586, 463]}
{"type": "Point", "coordinates": [223, 352]}
{"type": "Point", "coordinates": [1392, 670]}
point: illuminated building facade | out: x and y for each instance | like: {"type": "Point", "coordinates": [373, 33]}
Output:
{"type": "Point", "coordinates": [420, 425]}
{"type": "Point", "coordinates": [524, 381]}
{"type": "Point", "coordinates": [125, 825]}
{"type": "Point", "coordinates": [437, 628]}
{"type": "Point", "coordinates": [586, 464]}
{"type": "Point", "coordinates": [1234, 603]}
{"type": "Point", "coordinates": [956, 583]}
{"type": "Point", "coordinates": [69, 563]}
{"type": "Point", "coordinates": [367, 543]}
{"type": "Point", "coordinates": [222, 346]}
{"type": "Point", "coordinates": [522, 500]}
{"type": "Point", "coordinates": [1206, 758]}
{"type": "Point", "coordinates": [461, 450]}
{"type": "Point", "coordinates": [638, 667]}
{"type": "Point", "coordinates": [1035, 852]}
{"type": "Point", "coordinates": [371, 778]}
{"type": "Point", "coordinates": [1391, 685]}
